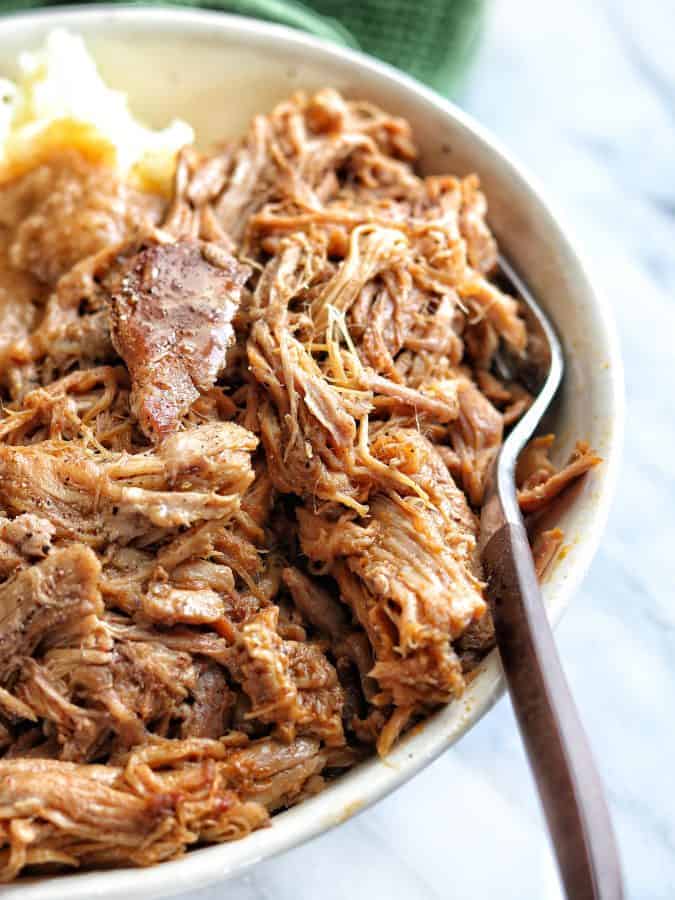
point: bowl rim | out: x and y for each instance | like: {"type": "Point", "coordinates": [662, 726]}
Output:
{"type": "Point", "coordinates": [372, 780]}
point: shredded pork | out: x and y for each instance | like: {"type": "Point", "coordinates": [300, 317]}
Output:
{"type": "Point", "coordinates": [244, 443]}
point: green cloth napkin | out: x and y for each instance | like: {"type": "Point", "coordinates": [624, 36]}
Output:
{"type": "Point", "coordinates": [433, 40]}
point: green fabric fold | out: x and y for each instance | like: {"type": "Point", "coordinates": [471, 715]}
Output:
{"type": "Point", "coordinates": [432, 40]}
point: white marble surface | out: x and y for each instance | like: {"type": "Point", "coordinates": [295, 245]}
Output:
{"type": "Point", "coordinates": [584, 94]}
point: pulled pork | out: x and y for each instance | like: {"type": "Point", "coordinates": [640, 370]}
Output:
{"type": "Point", "coordinates": [244, 443]}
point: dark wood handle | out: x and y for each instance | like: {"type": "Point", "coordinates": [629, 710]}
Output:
{"type": "Point", "coordinates": [569, 785]}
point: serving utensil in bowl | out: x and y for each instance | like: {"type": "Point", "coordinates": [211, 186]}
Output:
{"type": "Point", "coordinates": [567, 779]}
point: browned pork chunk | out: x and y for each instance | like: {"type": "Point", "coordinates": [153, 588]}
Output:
{"type": "Point", "coordinates": [74, 492]}
{"type": "Point", "coordinates": [209, 714]}
{"type": "Point", "coordinates": [166, 796]}
{"type": "Point", "coordinates": [476, 437]}
{"type": "Point", "coordinates": [97, 499]}
{"type": "Point", "coordinates": [172, 307]}
{"type": "Point", "coordinates": [23, 541]}
{"type": "Point", "coordinates": [539, 481]}
{"type": "Point", "coordinates": [57, 594]}
{"type": "Point", "coordinates": [215, 456]}
{"type": "Point", "coordinates": [290, 683]}
{"type": "Point", "coordinates": [408, 570]}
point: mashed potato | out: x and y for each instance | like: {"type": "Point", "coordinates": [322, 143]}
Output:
{"type": "Point", "coordinates": [60, 98]}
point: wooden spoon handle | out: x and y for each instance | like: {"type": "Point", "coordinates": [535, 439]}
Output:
{"type": "Point", "coordinates": [569, 785]}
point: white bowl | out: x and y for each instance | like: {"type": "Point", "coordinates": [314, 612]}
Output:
{"type": "Point", "coordinates": [216, 71]}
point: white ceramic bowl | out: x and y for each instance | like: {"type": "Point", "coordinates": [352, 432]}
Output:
{"type": "Point", "coordinates": [216, 71]}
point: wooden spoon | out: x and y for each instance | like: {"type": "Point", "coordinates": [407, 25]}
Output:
{"type": "Point", "coordinates": [568, 782]}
